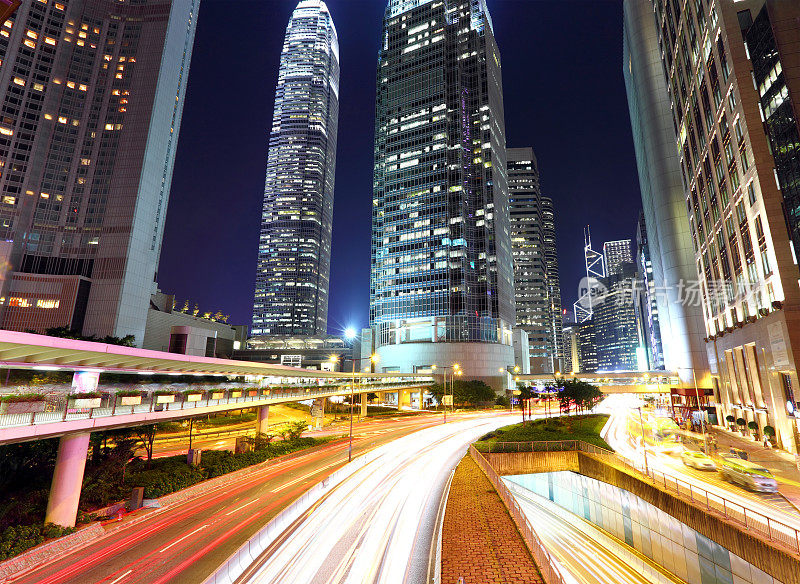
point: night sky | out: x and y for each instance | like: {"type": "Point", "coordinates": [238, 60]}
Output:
{"type": "Point", "coordinates": [564, 96]}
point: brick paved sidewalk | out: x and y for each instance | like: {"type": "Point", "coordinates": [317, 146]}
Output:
{"type": "Point", "coordinates": [480, 541]}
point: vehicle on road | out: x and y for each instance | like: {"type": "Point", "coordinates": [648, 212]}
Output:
{"type": "Point", "coordinates": [749, 475]}
{"type": "Point", "coordinates": [660, 434]}
{"type": "Point", "coordinates": [698, 460]}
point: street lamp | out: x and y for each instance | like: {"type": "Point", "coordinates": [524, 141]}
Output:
{"type": "Point", "coordinates": [644, 447]}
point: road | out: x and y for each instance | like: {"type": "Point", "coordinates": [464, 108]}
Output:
{"type": "Point", "coordinates": [186, 542]}
{"type": "Point", "coordinates": [623, 438]}
{"type": "Point", "coordinates": [377, 525]}
{"type": "Point", "coordinates": [584, 553]}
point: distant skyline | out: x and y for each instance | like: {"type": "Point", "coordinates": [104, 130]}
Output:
{"type": "Point", "coordinates": [564, 96]}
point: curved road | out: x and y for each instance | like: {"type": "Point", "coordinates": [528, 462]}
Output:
{"type": "Point", "coordinates": [377, 525]}
{"type": "Point", "coordinates": [188, 541]}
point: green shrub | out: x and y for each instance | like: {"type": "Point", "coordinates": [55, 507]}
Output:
{"type": "Point", "coordinates": [769, 431]}
{"type": "Point", "coordinates": [22, 397]}
{"type": "Point", "coordinates": [16, 539]}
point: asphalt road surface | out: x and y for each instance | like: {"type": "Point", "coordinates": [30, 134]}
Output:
{"type": "Point", "coordinates": [378, 524]}
{"type": "Point", "coordinates": [187, 542]}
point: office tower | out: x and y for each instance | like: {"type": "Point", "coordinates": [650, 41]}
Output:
{"type": "Point", "coordinates": [614, 320]}
{"type": "Point", "coordinates": [590, 286]}
{"type": "Point", "coordinates": [571, 357]}
{"type": "Point", "coordinates": [645, 302]}
{"type": "Point", "coordinates": [616, 254]}
{"type": "Point", "coordinates": [294, 250]}
{"type": "Point", "coordinates": [663, 200]}
{"type": "Point", "coordinates": [553, 281]}
{"type": "Point", "coordinates": [91, 96]}
{"type": "Point", "coordinates": [442, 288]}
{"type": "Point", "coordinates": [536, 285]}
{"type": "Point", "coordinates": [587, 347]}
{"type": "Point", "coordinates": [733, 106]}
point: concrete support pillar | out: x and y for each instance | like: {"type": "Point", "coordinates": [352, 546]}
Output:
{"type": "Point", "coordinates": [262, 420]}
{"type": "Point", "coordinates": [403, 398]}
{"type": "Point", "coordinates": [363, 412]}
{"type": "Point", "coordinates": [65, 491]}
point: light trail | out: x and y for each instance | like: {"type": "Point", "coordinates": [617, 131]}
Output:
{"type": "Point", "coordinates": [619, 435]}
{"type": "Point", "coordinates": [586, 554]}
{"type": "Point", "coordinates": [377, 525]}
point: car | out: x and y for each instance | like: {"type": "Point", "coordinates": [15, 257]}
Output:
{"type": "Point", "coordinates": [749, 475]}
{"type": "Point", "coordinates": [698, 460]}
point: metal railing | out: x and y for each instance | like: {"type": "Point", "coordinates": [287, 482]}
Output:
{"type": "Point", "coordinates": [110, 405]}
{"type": "Point", "coordinates": [544, 561]}
{"type": "Point", "coordinates": [774, 530]}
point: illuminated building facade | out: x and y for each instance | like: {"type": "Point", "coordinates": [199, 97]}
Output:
{"type": "Point", "coordinates": [645, 300]}
{"type": "Point", "coordinates": [617, 254]}
{"type": "Point", "coordinates": [733, 113]}
{"type": "Point", "coordinates": [91, 96]}
{"type": "Point", "coordinates": [442, 288]}
{"type": "Point", "coordinates": [294, 251]}
{"type": "Point", "coordinates": [666, 223]}
{"type": "Point", "coordinates": [536, 283]}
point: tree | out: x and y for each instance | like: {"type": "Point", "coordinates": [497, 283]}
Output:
{"type": "Point", "coordinates": [146, 435]}
{"type": "Point", "coordinates": [525, 395]}
{"type": "Point", "coordinates": [580, 394]}
{"type": "Point", "coordinates": [465, 392]}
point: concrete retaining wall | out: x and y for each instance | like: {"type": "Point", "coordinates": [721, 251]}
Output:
{"type": "Point", "coordinates": [780, 564]}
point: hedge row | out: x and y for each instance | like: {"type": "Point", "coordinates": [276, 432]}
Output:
{"type": "Point", "coordinates": [16, 539]}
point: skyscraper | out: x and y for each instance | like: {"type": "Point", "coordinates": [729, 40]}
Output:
{"type": "Point", "coordinates": [536, 285]}
{"type": "Point", "coordinates": [553, 281]}
{"type": "Point", "coordinates": [734, 123]}
{"type": "Point", "coordinates": [614, 321]}
{"type": "Point", "coordinates": [645, 302]}
{"type": "Point", "coordinates": [616, 254]}
{"type": "Point", "coordinates": [294, 251]}
{"type": "Point", "coordinates": [91, 96]}
{"type": "Point", "coordinates": [442, 288]}
{"type": "Point", "coordinates": [663, 200]}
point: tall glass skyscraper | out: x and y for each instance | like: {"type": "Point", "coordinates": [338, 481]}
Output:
{"type": "Point", "coordinates": [536, 283]}
{"type": "Point", "coordinates": [294, 252]}
{"type": "Point", "coordinates": [729, 98]}
{"type": "Point", "coordinates": [442, 288]}
{"type": "Point", "coordinates": [91, 97]}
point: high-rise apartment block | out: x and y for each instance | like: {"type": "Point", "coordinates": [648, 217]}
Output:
{"type": "Point", "coordinates": [733, 112]}
{"type": "Point", "coordinates": [294, 251]}
{"type": "Point", "coordinates": [91, 96]}
{"type": "Point", "coordinates": [617, 253]}
{"type": "Point", "coordinates": [536, 284]}
{"type": "Point", "coordinates": [442, 284]}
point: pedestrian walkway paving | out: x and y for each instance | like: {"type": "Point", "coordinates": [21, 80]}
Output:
{"type": "Point", "coordinates": [781, 463]}
{"type": "Point", "coordinates": [480, 542]}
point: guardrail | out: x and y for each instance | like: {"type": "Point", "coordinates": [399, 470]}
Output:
{"type": "Point", "coordinates": [774, 530]}
{"type": "Point", "coordinates": [150, 405]}
{"type": "Point", "coordinates": [545, 562]}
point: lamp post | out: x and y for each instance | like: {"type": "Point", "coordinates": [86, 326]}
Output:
{"type": "Point", "coordinates": [456, 371]}
{"type": "Point", "coordinates": [644, 447]}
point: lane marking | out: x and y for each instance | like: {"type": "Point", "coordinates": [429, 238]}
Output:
{"type": "Point", "coordinates": [177, 541]}
{"type": "Point", "coordinates": [121, 577]}
{"type": "Point", "coordinates": [240, 507]}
